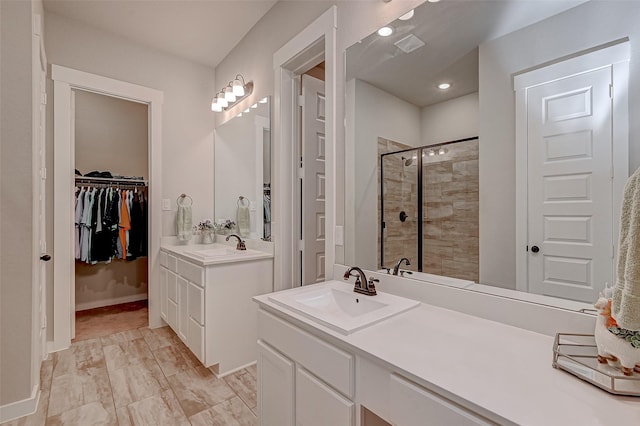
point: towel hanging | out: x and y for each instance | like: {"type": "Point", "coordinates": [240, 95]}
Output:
{"type": "Point", "coordinates": [243, 216]}
{"type": "Point", "coordinates": [183, 218]}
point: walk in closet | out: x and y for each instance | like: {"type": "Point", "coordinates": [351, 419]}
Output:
{"type": "Point", "coordinates": [111, 213]}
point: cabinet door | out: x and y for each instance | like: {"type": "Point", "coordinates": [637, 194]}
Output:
{"type": "Point", "coordinates": [411, 404]}
{"type": "Point", "coordinates": [163, 292]}
{"type": "Point", "coordinates": [275, 387]}
{"type": "Point", "coordinates": [319, 405]}
{"type": "Point", "coordinates": [196, 303]}
{"type": "Point", "coordinates": [183, 310]}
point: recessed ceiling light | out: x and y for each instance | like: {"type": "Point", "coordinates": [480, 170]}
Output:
{"type": "Point", "coordinates": [407, 15]}
{"type": "Point", "coordinates": [385, 31]}
{"type": "Point", "coordinates": [444, 86]}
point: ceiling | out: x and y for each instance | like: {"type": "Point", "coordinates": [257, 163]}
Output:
{"type": "Point", "coordinates": [202, 31]}
{"type": "Point", "coordinates": [451, 31]}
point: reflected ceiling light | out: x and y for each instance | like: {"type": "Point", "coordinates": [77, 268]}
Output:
{"type": "Point", "coordinates": [231, 94]}
{"type": "Point", "coordinates": [385, 31]}
{"type": "Point", "coordinates": [263, 101]}
{"type": "Point", "coordinates": [444, 86]}
{"type": "Point", "coordinates": [407, 15]}
{"type": "Point", "coordinates": [431, 153]}
{"type": "Point", "coordinates": [442, 151]}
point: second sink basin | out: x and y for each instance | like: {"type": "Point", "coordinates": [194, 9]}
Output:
{"type": "Point", "coordinates": [335, 305]}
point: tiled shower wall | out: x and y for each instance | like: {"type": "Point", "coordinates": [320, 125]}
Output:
{"type": "Point", "coordinates": [450, 209]}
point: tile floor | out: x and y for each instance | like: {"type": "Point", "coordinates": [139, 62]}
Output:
{"type": "Point", "coordinates": [139, 377]}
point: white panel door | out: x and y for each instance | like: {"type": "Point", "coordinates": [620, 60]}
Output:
{"type": "Point", "coordinates": [275, 387]}
{"type": "Point", "coordinates": [570, 186]}
{"type": "Point", "coordinates": [313, 180]}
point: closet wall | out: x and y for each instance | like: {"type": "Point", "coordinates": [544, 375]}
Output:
{"type": "Point", "coordinates": [111, 134]}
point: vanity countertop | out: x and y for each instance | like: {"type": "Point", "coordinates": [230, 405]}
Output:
{"type": "Point", "coordinates": [228, 254]}
{"type": "Point", "coordinates": [501, 368]}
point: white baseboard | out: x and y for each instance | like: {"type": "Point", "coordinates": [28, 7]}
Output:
{"type": "Point", "coordinates": [109, 302]}
{"type": "Point", "coordinates": [18, 409]}
{"type": "Point", "coordinates": [226, 373]}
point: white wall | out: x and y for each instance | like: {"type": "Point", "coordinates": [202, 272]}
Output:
{"type": "Point", "coordinates": [187, 128]}
{"type": "Point", "coordinates": [16, 211]}
{"type": "Point", "coordinates": [374, 113]}
{"type": "Point", "coordinates": [583, 27]}
{"type": "Point", "coordinates": [450, 120]}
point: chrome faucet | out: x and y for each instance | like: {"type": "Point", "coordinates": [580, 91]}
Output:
{"type": "Point", "coordinates": [241, 245]}
{"type": "Point", "coordinates": [396, 268]}
{"type": "Point", "coordinates": [369, 287]}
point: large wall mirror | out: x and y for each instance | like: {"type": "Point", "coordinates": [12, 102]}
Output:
{"type": "Point", "coordinates": [243, 171]}
{"type": "Point", "coordinates": [437, 174]}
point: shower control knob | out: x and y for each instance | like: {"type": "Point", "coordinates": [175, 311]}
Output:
{"type": "Point", "coordinates": [535, 249]}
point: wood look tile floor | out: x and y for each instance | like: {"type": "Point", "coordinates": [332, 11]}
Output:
{"type": "Point", "coordinates": [139, 377]}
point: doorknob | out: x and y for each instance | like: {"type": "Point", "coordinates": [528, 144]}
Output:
{"type": "Point", "coordinates": [535, 249]}
{"type": "Point", "coordinates": [45, 257]}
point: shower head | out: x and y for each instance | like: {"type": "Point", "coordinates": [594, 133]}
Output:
{"type": "Point", "coordinates": [407, 160]}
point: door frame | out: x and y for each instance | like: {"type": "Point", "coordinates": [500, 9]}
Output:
{"type": "Point", "coordinates": [296, 56]}
{"type": "Point", "coordinates": [617, 57]}
{"type": "Point", "coordinates": [64, 81]}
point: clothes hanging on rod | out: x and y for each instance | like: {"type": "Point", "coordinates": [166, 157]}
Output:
{"type": "Point", "coordinates": [111, 219]}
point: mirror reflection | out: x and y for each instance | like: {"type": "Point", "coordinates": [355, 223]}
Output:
{"type": "Point", "coordinates": [484, 136]}
{"type": "Point", "coordinates": [243, 172]}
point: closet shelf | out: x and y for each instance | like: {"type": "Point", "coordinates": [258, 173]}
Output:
{"type": "Point", "coordinates": [90, 179]}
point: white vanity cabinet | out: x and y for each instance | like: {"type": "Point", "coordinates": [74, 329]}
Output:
{"type": "Point", "coordinates": [302, 380]}
{"type": "Point", "coordinates": [210, 308]}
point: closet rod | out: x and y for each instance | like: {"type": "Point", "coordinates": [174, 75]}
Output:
{"type": "Point", "coordinates": [89, 179]}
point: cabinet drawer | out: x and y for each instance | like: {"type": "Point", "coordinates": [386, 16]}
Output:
{"type": "Point", "coordinates": [172, 263]}
{"type": "Point", "coordinates": [411, 404]}
{"type": "Point", "coordinates": [195, 339]}
{"type": "Point", "coordinates": [196, 303]}
{"type": "Point", "coordinates": [172, 314]}
{"type": "Point", "coordinates": [172, 286]}
{"type": "Point", "coordinates": [164, 259]}
{"type": "Point", "coordinates": [333, 365]}
{"type": "Point", "coordinates": [193, 273]}
{"type": "Point", "coordinates": [319, 405]}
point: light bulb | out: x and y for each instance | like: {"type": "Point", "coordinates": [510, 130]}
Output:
{"type": "Point", "coordinates": [431, 153]}
{"type": "Point", "coordinates": [385, 31]}
{"type": "Point", "coordinates": [238, 88]}
{"type": "Point", "coordinates": [229, 95]}
{"type": "Point", "coordinates": [222, 101]}
{"type": "Point", "coordinates": [214, 106]}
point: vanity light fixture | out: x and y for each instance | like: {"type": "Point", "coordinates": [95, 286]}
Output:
{"type": "Point", "coordinates": [431, 153]}
{"type": "Point", "coordinates": [263, 101]}
{"type": "Point", "coordinates": [247, 110]}
{"type": "Point", "coordinates": [442, 151]}
{"type": "Point", "coordinates": [231, 94]}
{"type": "Point", "coordinates": [444, 86]}
{"type": "Point", "coordinates": [407, 15]}
{"type": "Point", "coordinates": [254, 106]}
{"type": "Point", "coordinates": [385, 31]}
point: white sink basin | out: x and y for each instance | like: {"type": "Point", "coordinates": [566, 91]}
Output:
{"type": "Point", "coordinates": [214, 252]}
{"type": "Point", "coordinates": [335, 305]}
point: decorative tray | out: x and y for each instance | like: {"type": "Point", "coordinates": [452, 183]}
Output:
{"type": "Point", "coordinates": [578, 355]}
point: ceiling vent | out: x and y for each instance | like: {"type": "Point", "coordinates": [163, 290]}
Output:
{"type": "Point", "coordinates": [409, 43]}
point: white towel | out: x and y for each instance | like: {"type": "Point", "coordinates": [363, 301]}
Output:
{"type": "Point", "coordinates": [183, 222]}
{"type": "Point", "coordinates": [626, 293]}
{"type": "Point", "coordinates": [244, 221]}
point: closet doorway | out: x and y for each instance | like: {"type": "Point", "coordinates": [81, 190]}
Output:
{"type": "Point", "coordinates": [114, 159]}
{"type": "Point", "coordinates": [110, 136]}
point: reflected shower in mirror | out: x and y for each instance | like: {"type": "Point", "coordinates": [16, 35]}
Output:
{"type": "Point", "coordinates": [243, 171]}
{"type": "Point", "coordinates": [549, 129]}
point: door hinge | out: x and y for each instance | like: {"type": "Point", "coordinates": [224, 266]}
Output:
{"type": "Point", "coordinates": [43, 173]}
{"type": "Point", "coordinates": [300, 100]}
{"type": "Point", "coordinates": [611, 91]}
{"type": "Point", "coordinates": [43, 98]}
{"type": "Point", "coordinates": [44, 321]}
{"type": "Point", "coordinates": [301, 173]}
{"type": "Point", "coordinates": [300, 245]}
